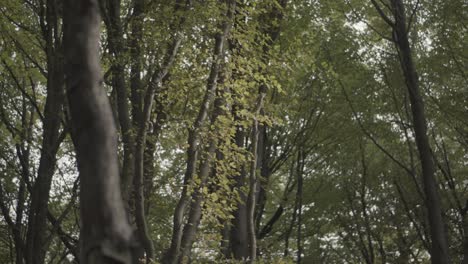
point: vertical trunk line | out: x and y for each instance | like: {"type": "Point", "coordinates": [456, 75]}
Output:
{"type": "Point", "coordinates": [36, 244]}
{"type": "Point", "coordinates": [253, 179]}
{"type": "Point", "coordinates": [174, 251]}
{"type": "Point", "coordinates": [439, 250]}
{"type": "Point", "coordinates": [116, 46]}
{"type": "Point", "coordinates": [300, 180]}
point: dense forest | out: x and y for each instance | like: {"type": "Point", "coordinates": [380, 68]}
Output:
{"type": "Point", "coordinates": [233, 131]}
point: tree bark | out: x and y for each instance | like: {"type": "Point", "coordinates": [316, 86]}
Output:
{"type": "Point", "coordinates": [105, 232]}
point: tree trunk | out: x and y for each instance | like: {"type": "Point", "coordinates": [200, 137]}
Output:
{"type": "Point", "coordinates": [239, 237]}
{"type": "Point", "coordinates": [206, 171]}
{"type": "Point", "coordinates": [293, 218]}
{"type": "Point", "coordinates": [252, 238]}
{"type": "Point", "coordinates": [116, 46]}
{"type": "Point", "coordinates": [36, 244]}
{"type": "Point", "coordinates": [194, 215]}
{"type": "Point", "coordinates": [265, 173]}
{"type": "Point", "coordinates": [439, 251]}
{"type": "Point", "coordinates": [300, 180]}
{"type": "Point", "coordinates": [136, 36]}
{"type": "Point", "coordinates": [253, 179]}
{"type": "Point", "coordinates": [105, 232]}
{"type": "Point", "coordinates": [465, 233]}
{"type": "Point", "coordinates": [172, 254]}
{"type": "Point", "coordinates": [364, 209]}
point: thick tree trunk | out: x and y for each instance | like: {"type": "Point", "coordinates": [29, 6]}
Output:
{"type": "Point", "coordinates": [239, 246]}
{"type": "Point", "coordinates": [105, 231]}
{"type": "Point", "coordinates": [439, 250]}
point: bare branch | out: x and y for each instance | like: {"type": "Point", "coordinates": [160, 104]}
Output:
{"type": "Point", "coordinates": [382, 14]}
{"type": "Point", "coordinates": [413, 13]}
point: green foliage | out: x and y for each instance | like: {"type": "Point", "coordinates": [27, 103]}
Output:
{"type": "Point", "coordinates": [335, 92]}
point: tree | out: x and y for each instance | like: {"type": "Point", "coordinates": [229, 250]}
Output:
{"type": "Point", "coordinates": [105, 232]}
{"type": "Point", "coordinates": [439, 251]}
{"type": "Point", "coordinates": [227, 131]}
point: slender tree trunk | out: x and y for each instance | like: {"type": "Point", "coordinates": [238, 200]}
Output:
{"type": "Point", "coordinates": [115, 34]}
{"type": "Point", "coordinates": [19, 243]}
{"type": "Point", "coordinates": [253, 179]}
{"type": "Point", "coordinates": [195, 213]}
{"type": "Point", "coordinates": [293, 220]}
{"type": "Point", "coordinates": [136, 36]}
{"type": "Point", "coordinates": [140, 116]}
{"type": "Point", "coordinates": [206, 169]}
{"type": "Point", "coordinates": [172, 254]}
{"type": "Point", "coordinates": [140, 215]}
{"type": "Point", "coordinates": [149, 168]}
{"type": "Point", "coordinates": [271, 29]}
{"type": "Point", "coordinates": [36, 244]}
{"type": "Point", "coordinates": [300, 180]}
{"type": "Point", "coordinates": [105, 232]}
{"type": "Point", "coordinates": [465, 233]}
{"type": "Point", "coordinates": [192, 156]}
{"type": "Point", "coordinates": [144, 119]}
{"type": "Point", "coordinates": [268, 227]}
{"type": "Point", "coordinates": [439, 250]}
{"type": "Point", "coordinates": [265, 173]}
{"type": "Point", "coordinates": [365, 216]}
{"type": "Point", "coordinates": [251, 197]}
{"type": "Point", "coordinates": [150, 147]}
{"type": "Point", "coordinates": [23, 153]}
